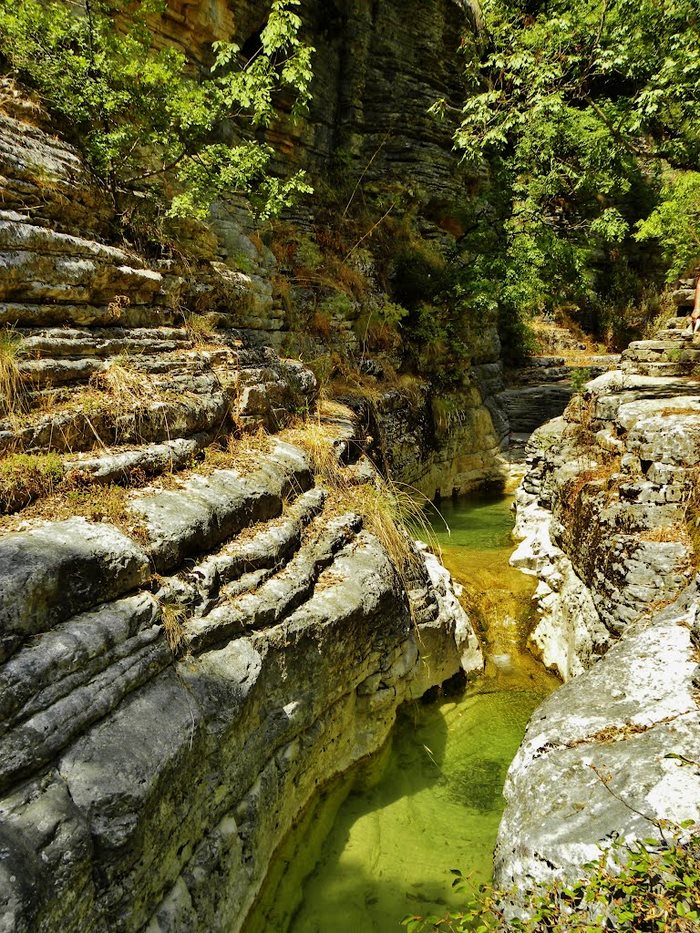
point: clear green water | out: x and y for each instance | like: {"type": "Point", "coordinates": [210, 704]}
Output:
{"type": "Point", "coordinates": [380, 842]}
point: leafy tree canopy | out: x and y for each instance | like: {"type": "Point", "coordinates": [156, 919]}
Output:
{"type": "Point", "coordinates": [144, 114]}
{"type": "Point", "coordinates": [587, 111]}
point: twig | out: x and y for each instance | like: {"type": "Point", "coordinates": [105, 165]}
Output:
{"type": "Point", "coordinates": [370, 231]}
{"type": "Point", "coordinates": [364, 172]}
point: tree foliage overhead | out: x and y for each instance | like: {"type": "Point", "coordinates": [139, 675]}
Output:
{"type": "Point", "coordinates": [144, 114]}
{"type": "Point", "coordinates": [587, 110]}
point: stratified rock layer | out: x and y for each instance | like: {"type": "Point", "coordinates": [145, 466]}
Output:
{"type": "Point", "coordinates": [604, 515]}
{"type": "Point", "coordinates": [141, 792]}
{"type": "Point", "coordinates": [602, 510]}
{"type": "Point", "coordinates": [608, 753]}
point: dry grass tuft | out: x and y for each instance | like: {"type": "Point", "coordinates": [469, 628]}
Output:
{"type": "Point", "coordinates": [26, 477]}
{"type": "Point", "coordinates": [395, 516]}
{"type": "Point", "coordinates": [125, 385]}
{"type": "Point", "coordinates": [603, 473]}
{"type": "Point", "coordinates": [12, 391]}
{"type": "Point", "coordinates": [564, 337]}
{"type": "Point", "coordinates": [316, 439]}
{"type": "Point", "coordinates": [103, 504]}
{"type": "Point", "coordinates": [665, 534]}
{"type": "Point", "coordinates": [236, 453]}
{"type": "Point", "coordinates": [95, 503]}
{"type": "Point", "coordinates": [173, 617]}
{"type": "Point", "coordinates": [118, 304]}
{"type": "Point", "coordinates": [200, 329]}
{"type": "Point", "coordinates": [391, 511]}
{"type": "Point", "coordinates": [328, 409]}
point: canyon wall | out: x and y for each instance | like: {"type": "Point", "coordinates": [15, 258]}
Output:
{"type": "Point", "coordinates": [195, 634]}
{"type": "Point", "coordinates": [378, 68]}
{"type": "Point", "coordinates": [608, 517]}
{"type": "Point", "coordinates": [140, 791]}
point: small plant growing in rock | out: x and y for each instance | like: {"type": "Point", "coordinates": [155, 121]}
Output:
{"type": "Point", "coordinates": [200, 328]}
{"type": "Point", "coordinates": [124, 385]}
{"type": "Point", "coordinates": [650, 886]}
{"type": "Point", "coordinates": [391, 511]}
{"type": "Point", "coordinates": [578, 379]}
{"type": "Point", "coordinates": [173, 617]}
{"type": "Point", "coordinates": [12, 392]}
{"type": "Point", "coordinates": [118, 304]}
{"type": "Point", "coordinates": [25, 477]}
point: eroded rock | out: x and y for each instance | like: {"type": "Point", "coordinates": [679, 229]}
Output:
{"type": "Point", "coordinates": [143, 791]}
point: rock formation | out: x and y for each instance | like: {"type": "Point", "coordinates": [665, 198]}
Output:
{"type": "Point", "coordinates": [184, 663]}
{"type": "Point", "coordinates": [377, 70]}
{"type": "Point", "coordinates": [606, 517]}
{"type": "Point", "coordinates": [143, 792]}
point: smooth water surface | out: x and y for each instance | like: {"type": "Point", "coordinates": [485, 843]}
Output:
{"type": "Point", "coordinates": [380, 842]}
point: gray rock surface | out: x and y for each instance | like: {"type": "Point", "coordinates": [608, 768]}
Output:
{"type": "Point", "coordinates": [597, 759]}
{"type": "Point", "coordinates": [141, 790]}
{"type": "Point", "coordinates": [602, 516]}
{"type": "Point", "coordinates": [602, 510]}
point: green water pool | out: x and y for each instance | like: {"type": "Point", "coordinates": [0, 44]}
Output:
{"type": "Point", "coordinates": [379, 843]}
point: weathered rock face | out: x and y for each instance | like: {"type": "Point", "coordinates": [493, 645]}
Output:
{"type": "Point", "coordinates": [542, 389]}
{"type": "Point", "coordinates": [602, 510]}
{"type": "Point", "coordinates": [441, 444]}
{"type": "Point", "coordinates": [80, 306]}
{"type": "Point", "coordinates": [378, 67]}
{"type": "Point", "coordinates": [103, 355]}
{"type": "Point", "coordinates": [602, 516]}
{"type": "Point", "coordinates": [142, 790]}
{"type": "Point", "coordinates": [597, 756]}
{"type": "Point", "coordinates": [143, 793]}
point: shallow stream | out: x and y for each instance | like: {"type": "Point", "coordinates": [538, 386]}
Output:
{"type": "Point", "coordinates": [379, 843]}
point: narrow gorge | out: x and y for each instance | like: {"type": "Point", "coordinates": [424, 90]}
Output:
{"type": "Point", "coordinates": [259, 466]}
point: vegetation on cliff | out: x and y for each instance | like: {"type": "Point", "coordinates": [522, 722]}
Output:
{"type": "Point", "coordinates": [652, 885]}
{"type": "Point", "coordinates": [586, 113]}
{"type": "Point", "coordinates": [149, 120]}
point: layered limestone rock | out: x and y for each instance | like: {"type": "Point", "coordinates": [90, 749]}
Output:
{"type": "Point", "coordinates": [378, 68]}
{"type": "Point", "coordinates": [183, 668]}
{"type": "Point", "coordinates": [144, 791]}
{"type": "Point", "coordinates": [88, 315]}
{"type": "Point", "coordinates": [542, 388]}
{"type": "Point", "coordinates": [102, 351]}
{"type": "Point", "coordinates": [604, 515]}
{"type": "Point", "coordinates": [602, 510]}
{"type": "Point", "coordinates": [441, 444]}
{"type": "Point", "coordinates": [609, 753]}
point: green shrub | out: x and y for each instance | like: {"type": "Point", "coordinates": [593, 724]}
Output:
{"type": "Point", "coordinates": [145, 116]}
{"type": "Point", "coordinates": [583, 116]}
{"type": "Point", "coordinates": [650, 886]}
{"type": "Point", "coordinates": [675, 224]}
{"type": "Point", "coordinates": [418, 274]}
